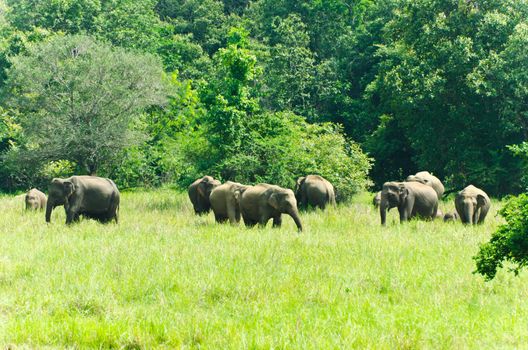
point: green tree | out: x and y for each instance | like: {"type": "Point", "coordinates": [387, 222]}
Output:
{"type": "Point", "coordinates": [509, 243]}
{"type": "Point", "coordinates": [426, 82]}
{"type": "Point", "coordinates": [78, 99]}
{"type": "Point", "coordinates": [229, 96]}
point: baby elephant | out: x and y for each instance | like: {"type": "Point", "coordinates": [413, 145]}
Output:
{"type": "Point", "coordinates": [35, 200]}
{"type": "Point", "coordinates": [450, 217]}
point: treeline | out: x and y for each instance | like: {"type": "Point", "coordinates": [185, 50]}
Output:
{"type": "Point", "coordinates": [153, 92]}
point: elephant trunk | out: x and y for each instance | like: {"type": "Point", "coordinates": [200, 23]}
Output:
{"type": "Point", "coordinates": [383, 210]}
{"type": "Point", "coordinates": [469, 211]}
{"type": "Point", "coordinates": [49, 208]}
{"type": "Point", "coordinates": [295, 216]}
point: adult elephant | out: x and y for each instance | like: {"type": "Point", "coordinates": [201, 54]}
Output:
{"type": "Point", "coordinates": [262, 202]}
{"type": "Point", "coordinates": [472, 205]}
{"type": "Point", "coordinates": [225, 201]}
{"type": "Point", "coordinates": [199, 192]}
{"type": "Point", "coordinates": [428, 179]}
{"type": "Point", "coordinates": [90, 196]}
{"type": "Point", "coordinates": [411, 198]}
{"type": "Point", "coordinates": [315, 191]}
{"type": "Point", "coordinates": [35, 200]}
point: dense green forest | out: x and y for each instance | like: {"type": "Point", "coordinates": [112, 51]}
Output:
{"type": "Point", "coordinates": [360, 91]}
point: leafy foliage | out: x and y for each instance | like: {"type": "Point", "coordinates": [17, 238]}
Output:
{"type": "Point", "coordinates": [437, 85]}
{"type": "Point", "coordinates": [509, 242]}
{"type": "Point", "coordinates": [77, 99]}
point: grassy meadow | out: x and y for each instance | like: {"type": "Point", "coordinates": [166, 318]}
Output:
{"type": "Point", "coordinates": [163, 278]}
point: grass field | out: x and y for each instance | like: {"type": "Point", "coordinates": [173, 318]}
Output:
{"type": "Point", "coordinates": [164, 278]}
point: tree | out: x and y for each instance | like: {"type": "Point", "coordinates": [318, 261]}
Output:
{"type": "Point", "coordinates": [78, 99]}
{"type": "Point", "coordinates": [509, 242]}
{"type": "Point", "coordinates": [430, 81]}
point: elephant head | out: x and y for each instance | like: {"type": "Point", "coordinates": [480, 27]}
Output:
{"type": "Point", "coordinates": [393, 195]}
{"type": "Point", "coordinates": [298, 185]}
{"type": "Point", "coordinates": [60, 191]}
{"type": "Point", "coordinates": [284, 201]}
{"type": "Point", "coordinates": [470, 205]}
{"type": "Point", "coordinates": [206, 186]}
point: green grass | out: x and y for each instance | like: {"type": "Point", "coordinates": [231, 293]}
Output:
{"type": "Point", "coordinates": [164, 278]}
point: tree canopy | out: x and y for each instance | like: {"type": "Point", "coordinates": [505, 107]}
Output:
{"type": "Point", "coordinates": [437, 85]}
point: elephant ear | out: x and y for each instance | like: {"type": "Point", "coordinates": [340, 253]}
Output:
{"type": "Point", "coordinates": [299, 183]}
{"type": "Point", "coordinates": [404, 192]}
{"type": "Point", "coordinates": [201, 187]}
{"type": "Point", "coordinates": [481, 200]}
{"type": "Point", "coordinates": [69, 188]}
{"type": "Point", "coordinates": [274, 201]}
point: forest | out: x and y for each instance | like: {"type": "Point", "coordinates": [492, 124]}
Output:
{"type": "Point", "coordinates": [360, 91]}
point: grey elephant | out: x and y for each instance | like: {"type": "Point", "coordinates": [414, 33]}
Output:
{"type": "Point", "coordinates": [472, 205]}
{"type": "Point", "coordinates": [411, 198]}
{"type": "Point", "coordinates": [315, 191]}
{"type": "Point", "coordinates": [199, 192]}
{"type": "Point", "coordinates": [35, 200]}
{"type": "Point", "coordinates": [428, 179]}
{"type": "Point", "coordinates": [450, 217]}
{"type": "Point", "coordinates": [225, 201]}
{"type": "Point", "coordinates": [262, 202]}
{"type": "Point", "coordinates": [377, 199]}
{"type": "Point", "coordinates": [90, 196]}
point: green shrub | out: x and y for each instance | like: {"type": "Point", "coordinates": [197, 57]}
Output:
{"type": "Point", "coordinates": [509, 242]}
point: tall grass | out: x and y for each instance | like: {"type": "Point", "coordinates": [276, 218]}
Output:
{"type": "Point", "coordinates": [163, 278]}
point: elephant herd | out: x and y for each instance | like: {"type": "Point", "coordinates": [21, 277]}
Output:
{"type": "Point", "coordinates": [419, 194]}
{"type": "Point", "coordinates": [258, 204]}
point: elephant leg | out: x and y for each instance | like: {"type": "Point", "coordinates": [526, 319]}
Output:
{"type": "Point", "coordinates": [483, 212]}
{"type": "Point", "coordinates": [263, 220]}
{"type": "Point", "coordinates": [406, 210]}
{"type": "Point", "coordinates": [220, 218]}
{"type": "Point", "coordinates": [248, 221]}
{"type": "Point", "coordinates": [277, 221]}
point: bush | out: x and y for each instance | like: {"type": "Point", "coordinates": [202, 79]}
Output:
{"type": "Point", "coordinates": [280, 147]}
{"type": "Point", "coordinates": [509, 242]}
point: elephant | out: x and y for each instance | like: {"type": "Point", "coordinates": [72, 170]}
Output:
{"type": "Point", "coordinates": [225, 201]}
{"type": "Point", "coordinates": [439, 214]}
{"type": "Point", "coordinates": [35, 200]}
{"type": "Point", "coordinates": [315, 191]}
{"type": "Point", "coordinates": [90, 196]}
{"type": "Point", "coordinates": [262, 202]}
{"type": "Point", "coordinates": [377, 199]}
{"type": "Point", "coordinates": [472, 205]}
{"type": "Point", "coordinates": [428, 179]}
{"type": "Point", "coordinates": [199, 192]}
{"type": "Point", "coordinates": [450, 217]}
{"type": "Point", "coordinates": [411, 198]}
